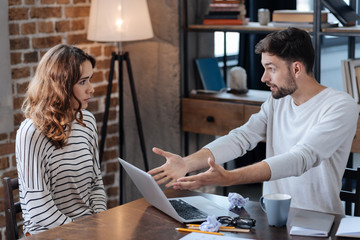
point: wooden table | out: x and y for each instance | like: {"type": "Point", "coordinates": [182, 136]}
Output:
{"type": "Point", "coordinates": [139, 220]}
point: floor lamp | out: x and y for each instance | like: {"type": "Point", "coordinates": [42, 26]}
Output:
{"type": "Point", "coordinates": [119, 21]}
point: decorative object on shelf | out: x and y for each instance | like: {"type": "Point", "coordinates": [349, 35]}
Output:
{"type": "Point", "coordinates": [237, 79]}
{"type": "Point", "coordinates": [263, 16]}
{"type": "Point", "coordinates": [226, 12]}
{"type": "Point", "coordinates": [343, 12]}
{"type": "Point", "coordinates": [119, 21]}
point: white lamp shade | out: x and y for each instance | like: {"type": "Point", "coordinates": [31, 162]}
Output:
{"type": "Point", "coordinates": [119, 21]}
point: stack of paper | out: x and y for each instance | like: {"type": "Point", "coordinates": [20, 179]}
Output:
{"type": "Point", "coordinates": [349, 227]}
{"type": "Point", "coordinates": [309, 223]}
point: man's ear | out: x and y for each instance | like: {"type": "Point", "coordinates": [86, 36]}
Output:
{"type": "Point", "coordinates": [297, 68]}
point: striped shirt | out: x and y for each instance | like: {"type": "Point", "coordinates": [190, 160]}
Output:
{"type": "Point", "coordinates": [58, 186]}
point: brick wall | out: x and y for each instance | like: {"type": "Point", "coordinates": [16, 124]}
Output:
{"type": "Point", "coordinates": [37, 25]}
{"type": "Point", "coordinates": [34, 27]}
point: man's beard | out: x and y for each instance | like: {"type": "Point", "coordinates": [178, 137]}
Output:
{"type": "Point", "coordinates": [287, 90]}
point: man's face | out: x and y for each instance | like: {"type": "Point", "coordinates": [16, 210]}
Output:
{"type": "Point", "coordinates": [277, 76]}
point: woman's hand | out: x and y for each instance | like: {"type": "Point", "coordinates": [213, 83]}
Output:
{"type": "Point", "coordinates": [174, 168]}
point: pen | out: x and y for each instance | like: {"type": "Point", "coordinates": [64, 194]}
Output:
{"type": "Point", "coordinates": [194, 230]}
{"type": "Point", "coordinates": [225, 229]}
{"type": "Point", "coordinates": [221, 227]}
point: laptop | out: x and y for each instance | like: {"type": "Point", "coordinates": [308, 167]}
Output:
{"type": "Point", "coordinates": [183, 209]}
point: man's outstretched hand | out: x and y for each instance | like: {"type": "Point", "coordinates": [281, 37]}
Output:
{"type": "Point", "coordinates": [174, 168]}
{"type": "Point", "coordinates": [215, 175]}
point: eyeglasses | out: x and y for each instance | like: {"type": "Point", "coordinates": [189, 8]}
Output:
{"type": "Point", "coordinates": [237, 222]}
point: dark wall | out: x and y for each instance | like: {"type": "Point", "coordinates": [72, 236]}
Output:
{"type": "Point", "coordinates": [247, 58]}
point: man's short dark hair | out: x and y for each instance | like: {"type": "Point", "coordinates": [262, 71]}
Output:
{"type": "Point", "coordinates": [291, 44]}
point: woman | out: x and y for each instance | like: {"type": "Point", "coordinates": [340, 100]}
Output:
{"type": "Point", "coordinates": [57, 144]}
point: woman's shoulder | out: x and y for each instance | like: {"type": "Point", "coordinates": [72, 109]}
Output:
{"type": "Point", "coordinates": [89, 118]}
{"type": "Point", "coordinates": [88, 115]}
{"type": "Point", "coordinates": [28, 129]}
{"type": "Point", "coordinates": [27, 125]}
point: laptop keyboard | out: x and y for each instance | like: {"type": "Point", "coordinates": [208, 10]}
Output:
{"type": "Point", "coordinates": [187, 211]}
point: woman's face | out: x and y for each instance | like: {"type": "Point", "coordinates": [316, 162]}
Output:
{"type": "Point", "coordinates": [83, 89]}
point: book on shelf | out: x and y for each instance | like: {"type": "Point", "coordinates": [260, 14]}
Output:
{"type": "Point", "coordinates": [230, 1]}
{"type": "Point", "coordinates": [223, 15]}
{"type": "Point", "coordinates": [222, 12]}
{"type": "Point", "coordinates": [351, 77]}
{"type": "Point", "coordinates": [297, 16]}
{"type": "Point", "coordinates": [345, 71]}
{"type": "Point", "coordinates": [207, 16]}
{"type": "Point", "coordinates": [210, 74]}
{"type": "Point", "coordinates": [353, 64]}
{"type": "Point", "coordinates": [303, 24]}
{"type": "Point", "coordinates": [223, 7]}
{"type": "Point", "coordinates": [211, 13]}
{"type": "Point", "coordinates": [349, 227]}
{"type": "Point", "coordinates": [343, 12]}
{"type": "Point", "coordinates": [225, 21]}
{"type": "Point", "coordinates": [310, 223]}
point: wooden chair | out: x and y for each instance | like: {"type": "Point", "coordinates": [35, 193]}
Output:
{"type": "Point", "coordinates": [11, 208]}
{"type": "Point", "coordinates": [347, 195]}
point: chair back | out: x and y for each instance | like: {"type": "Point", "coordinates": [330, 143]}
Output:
{"type": "Point", "coordinates": [11, 207]}
{"type": "Point", "coordinates": [348, 195]}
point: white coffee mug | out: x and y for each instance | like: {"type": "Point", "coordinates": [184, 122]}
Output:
{"type": "Point", "coordinates": [277, 207]}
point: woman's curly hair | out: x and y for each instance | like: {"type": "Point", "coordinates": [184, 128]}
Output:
{"type": "Point", "coordinates": [49, 94]}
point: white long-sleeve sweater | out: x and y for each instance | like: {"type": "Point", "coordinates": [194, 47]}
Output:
{"type": "Point", "coordinates": [307, 146]}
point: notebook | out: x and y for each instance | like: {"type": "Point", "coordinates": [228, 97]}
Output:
{"type": "Point", "coordinates": [310, 223]}
{"type": "Point", "coordinates": [156, 197]}
{"type": "Point", "coordinates": [349, 227]}
{"type": "Point", "coordinates": [210, 74]}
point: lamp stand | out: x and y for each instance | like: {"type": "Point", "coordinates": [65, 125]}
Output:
{"type": "Point", "coordinates": [120, 58]}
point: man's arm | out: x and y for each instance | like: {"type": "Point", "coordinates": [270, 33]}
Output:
{"type": "Point", "coordinates": [176, 166]}
{"type": "Point", "coordinates": [217, 175]}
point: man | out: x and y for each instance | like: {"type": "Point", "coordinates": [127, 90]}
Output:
{"type": "Point", "coordinates": [308, 130]}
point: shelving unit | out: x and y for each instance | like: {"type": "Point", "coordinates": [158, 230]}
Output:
{"type": "Point", "coordinates": [253, 27]}
{"type": "Point", "coordinates": [350, 32]}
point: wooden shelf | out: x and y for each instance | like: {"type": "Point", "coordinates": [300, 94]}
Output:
{"type": "Point", "coordinates": [256, 27]}
{"type": "Point", "coordinates": [250, 27]}
{"type": "Point", "coordinates": [342, 31]}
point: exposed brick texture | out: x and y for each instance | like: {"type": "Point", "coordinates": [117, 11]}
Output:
{"type": "Point", "coordinates": [46, 42]}
{"type": "Point", "coordinates": [71, 12]}
{"type": "Point", "coordinates": [19, 43]}
{"type": "Point", "coordinates": [78, 25]}
{"type": "Point", "coordinates": [7, 148]}
{"type": "Point", "coordinates": [45, 27]}
{"type": "Point", "coordinates": [28, 28]}
{"type": "Point", "coordinates": [20, 72]}
{"type": "Point", "coordinates": [45, 12]}
{"type": "Point", "coordinates": [31, 57]}
{"type": "Point", "coordinates": [62, 26]}
{"type": "Point", "coordinates": [34, 27]}
{"type": "Point", "coordinates": [18, 13]}
{"type": "Point", "coordinates": [14, 29]}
